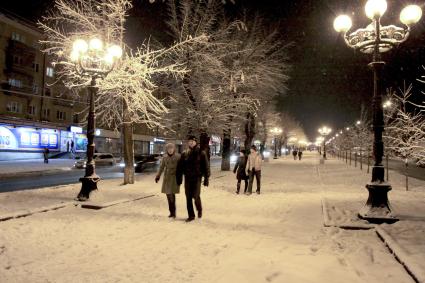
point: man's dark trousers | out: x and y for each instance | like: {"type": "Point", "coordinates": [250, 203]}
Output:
{"type": "Point", "coordinates": [193, 191]}
{"type": "Point", "coordinates": [257, 174]}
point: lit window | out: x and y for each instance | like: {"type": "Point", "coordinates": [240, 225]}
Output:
{"type": "Point", "coordinates": [50, 72]}
{"type": "Point", "coordinates": [13, 106]}
{"type": "Point", "coordinates": [15, 83]}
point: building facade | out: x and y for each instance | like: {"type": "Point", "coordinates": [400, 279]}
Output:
{"type": "Point", "coordinates": [37, 112]}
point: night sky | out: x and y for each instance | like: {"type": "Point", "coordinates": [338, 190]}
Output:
{"type": "Point", "coordinates": [329, 81]}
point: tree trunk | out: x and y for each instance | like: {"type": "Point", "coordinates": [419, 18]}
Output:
{"type": "Point", "coordinates": [204, 143]}
{"type": "Point", "coordinates": [249, 130]}
{"type": "Point", "coordinates": [128, 154]}
{"type": "Point", "coordinates": [128, 148]}
{"type": "Point", "coordinates": [279, 149]}
{"type": "Point", "coordinates": [225, 161]}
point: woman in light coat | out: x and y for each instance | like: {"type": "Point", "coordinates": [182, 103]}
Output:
{"type": "Point", "coordinates": [169, 184]}
{"type": "Point", "coordinates": [253, 169]}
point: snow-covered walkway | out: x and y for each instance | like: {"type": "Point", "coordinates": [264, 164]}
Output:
{"type": "Point", "coordinates": [277, 236]}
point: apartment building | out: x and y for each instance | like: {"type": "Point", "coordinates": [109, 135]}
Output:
{"type": "Point", "coordinates": [37, 112]}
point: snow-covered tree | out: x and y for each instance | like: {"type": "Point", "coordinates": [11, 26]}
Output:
{"type": "Point", "coordinates": [127, 95]}
{"type": "Point", "coordinates": [261, 65]}
{"type": "Point", "coordinates": [242, 64]}
{"type": "Point", "coordinates": [205, 101]}
{"type": "Point", "coordinates": [405, 132]}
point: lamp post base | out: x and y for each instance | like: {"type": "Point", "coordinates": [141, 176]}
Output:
{"type": "Point", "coordinates": [377, 208]}
{"type": "Point", "coordinates": [89, 184]}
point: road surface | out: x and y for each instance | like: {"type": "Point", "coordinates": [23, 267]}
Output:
{"type": "Point", "coordinates": [68, 177]}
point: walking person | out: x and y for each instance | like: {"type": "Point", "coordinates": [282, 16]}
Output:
{"type": "Point", "coordinates": [240, 171]}
{"type": "Point", "coordinates": [46, 155]}
{"type": "Point", "coordinates": [300, 154]}
{"type": "Point", "coordinates": [193, 165]}
{"type": "Point", "coordinates": [253, 166]}
{"type": "Point", "coordinates": [294, 153]}
{"type": "Point", "coordinates": [169, 184]}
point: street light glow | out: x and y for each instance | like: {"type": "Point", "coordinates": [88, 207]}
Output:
{"type": "Point", "coordinates": [375, 8]}
{"type": "Point", "coordinates": [109, 59]}
{"type": "Point", "coordinates": [324, 131]}
{"type": "Point", "coordinates": [387, 104]}
{"type": "Point", "coordinates": [358, 122]}
{"type": "Point", "coordinates": [115, 51]}
{"type": "Point", "coordinates": [348, 128]}
{"type": "Point", "coordinates": [96, 44]}
{"type": "Point", "coordinates": [75, 55]}
{"type": "Point", "coordinates": [411, 15]}
{"type": "Point", "coordinates": [342, 23]}
{"type": "Point", "coordinates": [80, 46]}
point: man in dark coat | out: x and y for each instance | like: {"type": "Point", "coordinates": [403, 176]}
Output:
{"type": "Point", "coordinates": [240, 171]}
{"type": "Point", "coordinates": [294, 153]}
{"type": "Point", "coordinates": [193, 165]}
{"type": "Point", "coordinates": [46, 155]}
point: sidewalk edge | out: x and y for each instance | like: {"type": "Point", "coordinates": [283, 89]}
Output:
{"type": "Point", "coordinates": [402, 257]}
{"type": "Point", "coordinates": [349, 226]}
{"type": "Point", "coordinates": [97, 206]}
{"type": "Point", "coordinates": [25, 213]}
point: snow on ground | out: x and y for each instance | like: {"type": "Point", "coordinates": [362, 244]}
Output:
{"type": "Point", "coordinates": [345, 192]}
{"type": "Point", "coordinates": [277, 236]}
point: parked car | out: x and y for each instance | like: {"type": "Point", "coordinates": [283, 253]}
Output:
{"type": "Point", "coordinates": [146, 162]}
{"type": "Point", "coordinates": [100, 159]}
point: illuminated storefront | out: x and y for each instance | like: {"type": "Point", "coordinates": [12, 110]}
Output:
{"type": "Point", "coordinates": [28, 139]}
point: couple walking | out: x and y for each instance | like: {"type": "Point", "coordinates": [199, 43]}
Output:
{"type": "Point", "coordinates": [248, 167]}
{"type": "Point", "coordinates": [193, 164]}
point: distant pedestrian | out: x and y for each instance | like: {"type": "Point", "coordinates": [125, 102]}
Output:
{"type": "Point", "coordinates": [46, 155]}
{"type": "Point", "coordinates": [67, 146]}
{"type": "Point", "coordinates": [300, 154]}
{"type": "Point", "coordinates": [193, 165]}
{"type": "Point", "coordinates": [240, 171]}
{"type": "Point", "coordinates": [72, 146]}
{"type": "Point", "coordinates": [294, 153]}
{"type": "Point", "coordinates": [169, 184]}
{"type": "Point", "coordinates": [253, 167]}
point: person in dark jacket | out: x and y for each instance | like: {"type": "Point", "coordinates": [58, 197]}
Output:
{"type": "Point", "coordinates": [46, 155]}
{"type": "Point", "coordinates": [240, 171]}
{"type": "Point", "coordinates": [294, 153]}
{"type": "Point", "coordinates": [300, 154]}
{"type": "Point", "coordinates": [193, 165]}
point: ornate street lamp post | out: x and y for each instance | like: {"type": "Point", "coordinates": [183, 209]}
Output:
{"type": "Point", "coordinates": [275, 131]}
{"type": "Point", "coordinates": [93, 60]}
{"type": "Point", "coordinates": [318, 143]}
{"type": "Point", "coordinates": [376, 39]}
{"type": "Point", "coordinates": [324, 131]}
